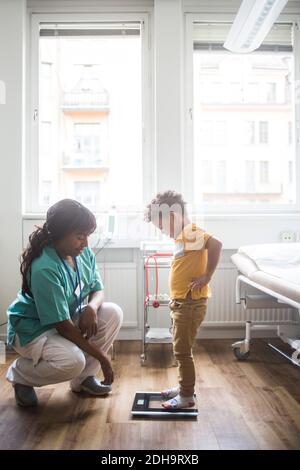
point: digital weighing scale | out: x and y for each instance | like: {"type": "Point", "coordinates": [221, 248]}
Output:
{"type": "Point", "coordinates": [149, 405]}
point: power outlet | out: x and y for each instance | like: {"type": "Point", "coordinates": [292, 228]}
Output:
{"type": "Point", "coordinates": [287, 237]}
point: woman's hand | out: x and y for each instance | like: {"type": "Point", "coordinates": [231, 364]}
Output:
{"type": "Point", "coordinates": [88, 323]}
{"type": "Point", "coordinates": [106, 369]}
{"type": "Point", "coordinates": [199, 282]}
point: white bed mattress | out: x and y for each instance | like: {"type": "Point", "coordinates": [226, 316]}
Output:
{"type": "Point", "coordinates": [275, 266]}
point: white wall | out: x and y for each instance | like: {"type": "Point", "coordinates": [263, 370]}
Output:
{"type": "Point", "coordinates": [12, 16]}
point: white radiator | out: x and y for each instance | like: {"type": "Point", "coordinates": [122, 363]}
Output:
{"type": "Point", "coordinates": [121, 286]}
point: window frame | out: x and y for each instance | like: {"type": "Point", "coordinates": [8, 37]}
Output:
{"type": "Point", "coordinates": [31, 161]}
{"type": "Point", "coordinates": [188, 163]}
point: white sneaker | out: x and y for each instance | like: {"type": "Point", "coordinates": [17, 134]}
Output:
{"type": "Point", "coordinates": [179, 402]}
{"type": "Point", "coordinates": [170, 393]}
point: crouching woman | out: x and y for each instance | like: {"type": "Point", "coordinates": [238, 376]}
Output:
{"type": "Point", "coordinates": [58, 336]}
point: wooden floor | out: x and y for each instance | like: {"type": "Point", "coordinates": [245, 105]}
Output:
{"type": "Point", "coordinates": [242, 405]}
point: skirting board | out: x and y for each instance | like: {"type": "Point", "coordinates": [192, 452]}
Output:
{"type": "Point", "coordinates": [205, 333]}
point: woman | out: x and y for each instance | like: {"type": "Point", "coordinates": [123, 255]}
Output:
{"type": "Point", "coordinates": [57, 336]}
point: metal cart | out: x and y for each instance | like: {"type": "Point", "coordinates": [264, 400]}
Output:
{"type": "Point", "coordinates": [155, 257]}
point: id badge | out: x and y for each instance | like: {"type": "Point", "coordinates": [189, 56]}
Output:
{"type": "Point", "coordinates": [79, 288]}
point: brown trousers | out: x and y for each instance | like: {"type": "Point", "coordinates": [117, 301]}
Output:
{"type": "Point", "coordinates": [187, 316]}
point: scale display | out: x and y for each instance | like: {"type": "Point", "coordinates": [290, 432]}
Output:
{"type": "Point", "coordinates": [149, 405]}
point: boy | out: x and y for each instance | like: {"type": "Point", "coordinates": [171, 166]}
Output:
{"type": "Point", "coordinates": [195, 259]}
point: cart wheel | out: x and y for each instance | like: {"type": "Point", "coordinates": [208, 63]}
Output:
{"type": "Point", "coordinates": [239, 355]}
{"type": "Point", "coordinates": [143, 359]}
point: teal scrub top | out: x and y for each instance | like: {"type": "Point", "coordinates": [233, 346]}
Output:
{"type": "Point", "coordinates": [53, 294]}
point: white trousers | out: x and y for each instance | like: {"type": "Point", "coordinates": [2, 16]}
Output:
{"type": "Point", "coordinates": [51, 358]}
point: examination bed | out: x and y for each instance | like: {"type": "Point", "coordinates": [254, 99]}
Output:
{"type": "Point", "coordinates": [269, 278]}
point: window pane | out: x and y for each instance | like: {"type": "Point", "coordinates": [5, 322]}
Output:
{"type": "Point", "coordinates": [90, 119]}
{"type": "Point", "coordinates": [243, 121]}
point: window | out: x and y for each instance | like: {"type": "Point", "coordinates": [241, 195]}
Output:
{"type": "Point", "coordinates": [250, 176]}
{"type": "Point", "coordinates": [213, 133]}
{"type": "Point", "coordinates": [264, 172]}
{"type": "Point", "coordinates": [86, 144]}
{"type": "Point", "coordinates": [263, 132]}
{"type": "Point", "coordinates": [46, 188]}
{"type": "Point", "coordinates": [271, 92]}
{"type": "Point", "coordinates": [87, 192]}
{"type": "Point", "coordinates": [46, 70]}
{"type": "Point", "coordinates": [46, 139]}
{"type": "Point", "coordinates": [252, 95]}
{"type": "Point", "coordinates": [291, 172]}
{"type": "Point", "coordinates": [207, 173]}
{"type": "Point", "coordinates": [249, 132]}
{"type": "Point", "coordinates": [89, 103]}
{"type": "Point", "coordinates": [221, 175]}
{"type": "Point", "coordinates": [290, 133]}
{"type": "Point", "coordinates": [252, 92]}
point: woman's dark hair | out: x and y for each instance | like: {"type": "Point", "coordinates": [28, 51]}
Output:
{"type": "Point", "coordinates": [63, 218]}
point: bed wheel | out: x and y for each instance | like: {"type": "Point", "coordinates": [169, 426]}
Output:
{"type": "Point", "coordinates": [240, 355]}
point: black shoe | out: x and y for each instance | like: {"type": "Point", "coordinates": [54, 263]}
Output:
{"type": "Point", "coordinates": [25, 395]}
{"type": "Point", "coordinates": [93, 386]}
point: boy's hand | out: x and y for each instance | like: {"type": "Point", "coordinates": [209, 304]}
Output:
{"type": "Point", "coordinates": [199, 282]}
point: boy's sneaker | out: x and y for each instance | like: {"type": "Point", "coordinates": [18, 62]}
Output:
{"type": "Point", "coordinates": [179, 402]}
{"type": "Point", "coordinates": [25, 395]}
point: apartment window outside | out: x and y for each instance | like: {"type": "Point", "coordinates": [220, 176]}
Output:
{"type": "Point", "coordinates": [264, 172]}
{"type": "Point", "coordinates": [87, 144]}
{"type": "Point", "coordinates": [46, 139]}
{"type": "Point", "coordinates": [213, 133]}
{"type": "Point", "coordinates": [221, 174]}
{"type": "Point", "coordinates": [271, 92]}
{"type": "Point", "coordinates": [87, 192]}
{"type": "Point", "coordinates": [250, 176]}
{"type": "Point", "coordinates": [206, 176]}
{"type": "Point", "coordinates": [249, 132]}
{"type": "Point", "coordinates": [291, 172]}
{"type": "Point", "coordinates": [90, 115]}
{"type": "Point", "coordinates": [263, 129]}
{"type": "Point", "coordinates": [252, 94]}
{"type": "Point", "coordinates": [290, 133]}
{"type": "Point", "coordinates": [46, 192]}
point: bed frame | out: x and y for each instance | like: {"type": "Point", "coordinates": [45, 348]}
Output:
{"type": "Point", "coordinates": [266, 298]}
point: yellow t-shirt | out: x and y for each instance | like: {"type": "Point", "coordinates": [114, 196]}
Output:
{"type": "Point", "coordinates": [189, 261]}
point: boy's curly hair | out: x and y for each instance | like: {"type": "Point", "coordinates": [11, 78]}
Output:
{"type": "Point", "coordinates": [169, 198]}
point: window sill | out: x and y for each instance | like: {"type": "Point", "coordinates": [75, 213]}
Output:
{"type": "Point", "coordinates": [207, 216]}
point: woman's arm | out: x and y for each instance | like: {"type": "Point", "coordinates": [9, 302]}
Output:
{"type": "Point", "coordinates": [67, 329]}
{"type": "Point", "coordinates": [88, 322]}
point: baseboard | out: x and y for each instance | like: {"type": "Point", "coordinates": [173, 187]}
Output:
{"type": "Point", "coordinates": [214, 332]}
{"type": "Point", "coordinates": [207, 332]}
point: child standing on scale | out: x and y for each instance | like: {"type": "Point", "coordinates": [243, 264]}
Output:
{"type": "Point", "coordinates": [195, 259]}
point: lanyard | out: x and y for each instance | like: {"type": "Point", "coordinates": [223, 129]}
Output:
{"type": "Point", "coordinates": [74, 284]}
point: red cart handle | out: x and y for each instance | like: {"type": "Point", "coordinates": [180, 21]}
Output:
{"type": "Point", "coordinates": [155, 302]}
